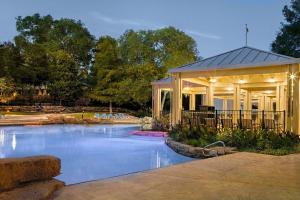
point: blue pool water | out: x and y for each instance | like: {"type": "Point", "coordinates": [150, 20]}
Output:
{"type": "Point", "coordinates": [89, 152]}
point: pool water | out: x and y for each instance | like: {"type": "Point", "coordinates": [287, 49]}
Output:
{"type": "Point", "coordinates": [89, 152]}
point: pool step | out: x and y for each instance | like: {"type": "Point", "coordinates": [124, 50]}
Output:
{"type": "Point", "coordinates": [41, 190]}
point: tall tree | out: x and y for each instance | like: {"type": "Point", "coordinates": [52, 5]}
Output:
{"type": "Point", "coordinates": [147, 56]}
{"type": "Point", "coordinates": [106, 71]}
{"type": "Point", "coordinates": [287, 41]}
{"type": "Point", "coordinates": [72, 37]}
{"type": "Point", "coordinates": [64, 84]}
{"type": "Point", "coordinates": [40, 36]}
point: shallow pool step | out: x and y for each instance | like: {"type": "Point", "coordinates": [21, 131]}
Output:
{"type": "Point", "coordinates": [33, 191]}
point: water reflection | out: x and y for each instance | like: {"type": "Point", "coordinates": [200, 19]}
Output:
{"type": "Point", "coordinates": [2, 137]}
{"type": "Point", "coordinates": [14, 142]}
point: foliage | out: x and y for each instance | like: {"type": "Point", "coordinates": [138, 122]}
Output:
{"type": "Point", "coordinates": [261, 140]}
{"type": "Point", "coordinates": [124, 69]}
{"type": "Point", "coordinates": [106, 71]}
{"type": "Point", "coordinates": [195, 136]}
{"type": "Point", "coordinates": [287, 41]}
{"type": "Point", "coordinates": [64, 84]}
{"type": "Point", "coordinates": [62, 56]}
{"type": "Point", "coordinates": [161, 124]}
{"type": "Point", "coordinates": [7, 89]}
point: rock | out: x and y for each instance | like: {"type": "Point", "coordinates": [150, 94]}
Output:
{"type": "Point", "coordinates": [146, 123]}
{"type": "Point", "coordinates": [16, 171]}
{"type": "Point", "coordinates": [33, 191]}
{"type": "Point", "coordinates": [196, 152]}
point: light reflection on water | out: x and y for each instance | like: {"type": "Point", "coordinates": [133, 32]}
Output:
{"type": "Point", "coordinates": [89, 152]}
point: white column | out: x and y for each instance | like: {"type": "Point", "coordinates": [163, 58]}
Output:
{"type": "Point", "coordinates": [176, 98]}
{"type": "Point", "coordinates": [225, 104]}
{"type": "Point", "coordinates": [293, 123]}
{"type": "Point", "coordinates": [236, 97]}
{"type": "Point", "coordinates": [210, 95]}
{"type": "Point", "coordinates": [247, 104]}
{"type": "Point", "coordinates": [156, 96]}
{"type": "Point", "coordinates": [192, 101]}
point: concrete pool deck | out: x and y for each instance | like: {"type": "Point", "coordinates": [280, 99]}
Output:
{"type": "Point", "coordinates": [239, 176]}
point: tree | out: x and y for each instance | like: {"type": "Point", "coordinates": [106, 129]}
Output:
{"type": "Point", "coordinates": [147, 56]}
{"type": "Point", "coordinates": [106, 71]}
{"type": "Point", "coordinates": [39, 38]}
{"type": "Point", "coordinates": [64, 84]}
{"type": "Point", "coordinates": [287, 41]}
{"type": "Point", "coordinates": [72, 37]}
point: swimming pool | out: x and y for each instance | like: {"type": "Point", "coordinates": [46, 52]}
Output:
{"type": "Point", "coordinates": [89, 152]}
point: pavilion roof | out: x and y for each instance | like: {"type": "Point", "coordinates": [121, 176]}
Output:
{"type": "Point", "coordinates": [238, 58]}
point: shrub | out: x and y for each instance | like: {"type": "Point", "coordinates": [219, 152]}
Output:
{"type": "Point", "coordinates": [259, 139]}
{"type": "Point", "coordinates": [195, 136]}
{"type": "Point", "coordinates": [162, 124]}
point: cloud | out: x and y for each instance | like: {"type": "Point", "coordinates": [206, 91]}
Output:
{"type": "Point", "coordinates": [204, 35]}
{"type": "Point", "coordinates": [110, 20]}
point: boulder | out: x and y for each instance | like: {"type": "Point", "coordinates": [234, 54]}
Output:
{"type": "Point", "coordinates": [17, 171]}
{"type": "Point", "coordinates": [33, 191]}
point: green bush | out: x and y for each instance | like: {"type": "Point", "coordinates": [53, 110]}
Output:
{"type": "Point", "coordinates": [195, 136]}
{"type": "Point", "coordinates": [259, 139]}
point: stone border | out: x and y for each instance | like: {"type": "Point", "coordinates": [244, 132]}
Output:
{"type": "Point", "coordinates": [196, 152]}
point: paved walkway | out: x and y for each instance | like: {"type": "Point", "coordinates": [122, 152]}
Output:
{"type": "Point", "coordinates": [239, 176]}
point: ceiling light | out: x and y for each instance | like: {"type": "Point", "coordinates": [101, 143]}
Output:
{"type": "Point", "coordinates": [212, 80]}
{"type": "Point", "coordinates": [241, 81]}
{"type": "Point", "coordinates": [271, 80]}
{"type": "Point", "coordinates": [292, 76]}
{"type": "Point", "coordinates": [268, 92]}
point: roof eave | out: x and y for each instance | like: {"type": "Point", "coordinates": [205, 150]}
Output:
{"type": "Point", "coordinates": [239, 66]}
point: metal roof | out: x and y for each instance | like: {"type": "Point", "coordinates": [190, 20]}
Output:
{"type": "Point", "coordinates": [238, 58]}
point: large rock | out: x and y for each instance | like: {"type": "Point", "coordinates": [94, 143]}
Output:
{"type": "Point", "coordinates": [16, 171]}
{"type": "Point", "coordinates": [41, 190]}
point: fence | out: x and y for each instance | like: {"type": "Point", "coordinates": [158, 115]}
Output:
{"type": "Point", "coordinates": [233, 119]}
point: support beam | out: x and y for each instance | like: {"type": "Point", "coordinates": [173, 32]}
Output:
{"type": "Point", "coordinates": [225, 104]}
{"type": "Point", "coordinates": [236, 97]}
{"type": "Point", "coordinates": [210, 95]}
{"type": "Point", "coordinates": [176, 98]}
{"type": "Point", "coordinates": [192, 101]}
{"type": "Point", "coordinates": [156, 101]}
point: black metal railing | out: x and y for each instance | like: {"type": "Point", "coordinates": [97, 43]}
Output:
{"type": "Point", "coordinates": [233, 119]}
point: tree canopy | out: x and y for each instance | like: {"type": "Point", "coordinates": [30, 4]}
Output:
{"type": "Point", "coordinates": [62, 56]}
{"type": "Point", "coordinates": [125, 68]}
{"type": "Point", "coordinates": [287, 41]}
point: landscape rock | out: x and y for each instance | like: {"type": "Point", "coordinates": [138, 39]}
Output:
{"type": "Point", "coordinates": [17, 171]}
{"type": "Point", "coordinates": [33, 191]}
{"type": "Point", "coordinates": [196, 152]}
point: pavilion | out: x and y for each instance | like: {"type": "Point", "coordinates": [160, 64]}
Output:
{"type": "Point", "coordinates": [244, 79]}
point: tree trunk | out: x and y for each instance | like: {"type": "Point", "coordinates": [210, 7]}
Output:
{"type": "Point", "coordinates": [110, 107]}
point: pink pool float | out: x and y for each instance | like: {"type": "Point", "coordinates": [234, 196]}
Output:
{"type": "Point", "coordinates": [149, 133]}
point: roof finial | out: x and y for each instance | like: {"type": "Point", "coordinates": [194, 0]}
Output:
{"type": "Point", "coordinates": [247, 30]}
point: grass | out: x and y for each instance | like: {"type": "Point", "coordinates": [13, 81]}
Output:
{"type": "Point", "coordinates": [86, 115]}
{"type": "Point", "coordinates": [20, 113]}
{"type": "Point", "coordinates": [276, 152]}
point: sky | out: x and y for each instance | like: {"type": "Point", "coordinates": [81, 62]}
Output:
{"type": "Point", "coordinates": [216, 25]}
